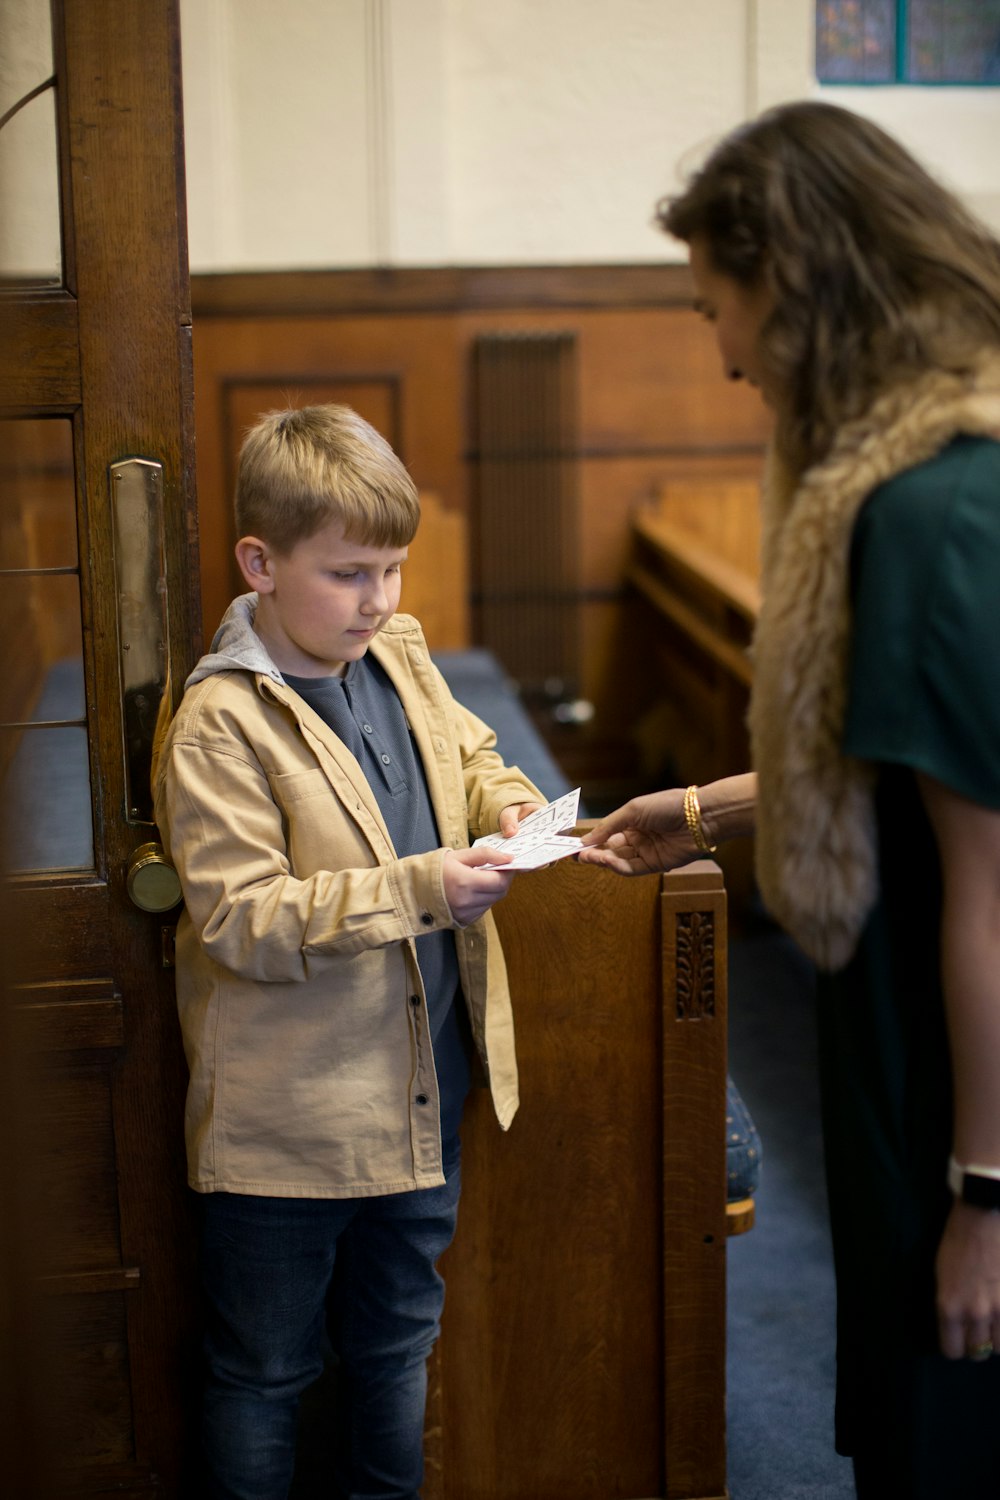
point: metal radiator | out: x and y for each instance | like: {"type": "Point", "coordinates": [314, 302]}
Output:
{"type": "Point", "coordinates": [525, 556]}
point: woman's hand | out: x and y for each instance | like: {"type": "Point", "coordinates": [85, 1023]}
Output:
{"type": "Point", "coordinates": [648, 834]}
{"type": "Point", "coordinates": [968, 1261]}
{"type": "Point", "coordinates": [968, 1283]}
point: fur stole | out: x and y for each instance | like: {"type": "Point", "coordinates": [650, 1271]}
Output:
{"type": "Point", "coordinates": [816, 843]}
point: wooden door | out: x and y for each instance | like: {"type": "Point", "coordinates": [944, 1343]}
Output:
{"type": "Point", "coordinates": [96, 374]}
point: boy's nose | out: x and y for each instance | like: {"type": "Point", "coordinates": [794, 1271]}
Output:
{"type": "Point", "coordinates": [375, 601]}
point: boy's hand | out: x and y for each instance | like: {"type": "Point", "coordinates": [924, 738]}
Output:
{"type": "Point", "coordinates": [511, 816]}
{"type": "Point", "coordinates": [470, 890]}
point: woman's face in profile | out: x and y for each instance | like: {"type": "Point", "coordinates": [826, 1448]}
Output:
{"type": "Point", "coordinates": [736, 312]}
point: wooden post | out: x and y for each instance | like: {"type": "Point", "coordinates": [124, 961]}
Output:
{"type": "Point", "coordinates": [694, 1181]}
{"type": "Point", "coordinates": [583, 1348]}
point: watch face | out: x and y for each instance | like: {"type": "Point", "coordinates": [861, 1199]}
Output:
{"type": "Point", "coordinates": [980, 1192]}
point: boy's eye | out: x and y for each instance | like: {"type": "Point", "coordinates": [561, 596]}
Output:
{"type": "Point", "coordinates": [349, 574]}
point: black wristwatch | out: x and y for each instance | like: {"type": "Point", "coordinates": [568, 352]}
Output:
{"type": "Point", "coordinates": [975, 1186]}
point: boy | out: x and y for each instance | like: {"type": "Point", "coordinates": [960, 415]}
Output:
{"type": "Point", "coordinates": [337, 966]}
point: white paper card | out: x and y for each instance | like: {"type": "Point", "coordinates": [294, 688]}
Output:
{"type": "Point", "coordinates": [538, 840]}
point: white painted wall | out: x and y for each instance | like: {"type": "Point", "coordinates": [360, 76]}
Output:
{"type": "Point", "coordinates": [335, 133]}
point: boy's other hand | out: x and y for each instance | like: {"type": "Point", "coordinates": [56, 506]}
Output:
{"type": "Point", "coordinates": [469, 889]}
{"type": "Point", "coordinates": [511, 817]}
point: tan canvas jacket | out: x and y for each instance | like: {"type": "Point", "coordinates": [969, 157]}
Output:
{"type": "Point", "coordinates": [300, 997]}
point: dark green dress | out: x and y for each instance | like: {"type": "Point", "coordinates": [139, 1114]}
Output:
{"type": "Point", "coordinates": [924, 694]}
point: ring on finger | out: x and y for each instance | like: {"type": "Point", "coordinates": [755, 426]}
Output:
{"type": "Point", "coordinates": [979, 1352]}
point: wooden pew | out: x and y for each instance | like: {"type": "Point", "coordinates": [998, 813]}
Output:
{"type": "Point", "coordinates": [583, 1345]}
{"type": "Point", "coordinates": [436, 576]}
{"type": "Point", "coordinates": [695, 563]}
{"type": "Point", "coordinates": [696, 559]}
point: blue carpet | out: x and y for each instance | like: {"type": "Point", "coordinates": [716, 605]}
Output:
{"type": "Point", "coordinates": [781, 1295]}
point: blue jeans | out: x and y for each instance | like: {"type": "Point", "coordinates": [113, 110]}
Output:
{"type": "Point", "coordinates": [279, 1273]}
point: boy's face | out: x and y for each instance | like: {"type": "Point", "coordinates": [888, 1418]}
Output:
{"type": "Point", "coordinates": [323, 603]}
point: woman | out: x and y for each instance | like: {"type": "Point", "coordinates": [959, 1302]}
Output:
{"type": "Point", "coordinates": [864, 303]}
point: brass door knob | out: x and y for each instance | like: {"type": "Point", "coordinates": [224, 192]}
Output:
{"type": "Point", "coordinates": [151, 880]}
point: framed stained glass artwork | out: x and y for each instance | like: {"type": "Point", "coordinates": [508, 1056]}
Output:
{"type": "Point", "coordinates": [908, 42]}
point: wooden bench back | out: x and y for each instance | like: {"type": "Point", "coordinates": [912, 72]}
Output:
{"type": "Point", "coordinates": [583, 1350]}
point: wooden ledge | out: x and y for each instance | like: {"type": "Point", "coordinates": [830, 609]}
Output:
{"type": "Point", "coordinates": [740, 1216]}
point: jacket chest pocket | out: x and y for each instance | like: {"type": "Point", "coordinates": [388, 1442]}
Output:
{"type": "Point", "coordinates": [324, 827]}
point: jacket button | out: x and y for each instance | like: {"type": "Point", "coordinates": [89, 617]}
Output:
{"type": "Point", "coordinates": [422, 1099]}
{"type": "Point", "coordinates": [427, 919]}
{"type": "Point", "coordinates": [414, 1000]}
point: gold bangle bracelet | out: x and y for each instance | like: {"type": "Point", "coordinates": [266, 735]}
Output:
{"type": "Point", "coordinates": [692, 816]}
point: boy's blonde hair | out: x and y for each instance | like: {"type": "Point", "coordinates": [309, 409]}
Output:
{"type": "Point", "coordinates": [303, 467]}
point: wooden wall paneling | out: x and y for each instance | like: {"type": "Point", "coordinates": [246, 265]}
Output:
{"type": "Point", "coordinates": [401, 377]}
{"type": "Point", "coordinates": [524, 508]}
{"type": "Point", "coordinates": [653, 408]}
{"type": "Point", "coordinates": [445, 289]}
{"type": "Point", "coordinates": [417, 350]}
{"type": "Point", "coordinates": [610, 488]}
{"type": "Point", "coordinates": [436, 576]}
{"type": "Point", "coordinates": [651, 379]}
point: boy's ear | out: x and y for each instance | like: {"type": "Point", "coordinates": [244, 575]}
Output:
{"type": "Point", "coordinates": [254, 559]}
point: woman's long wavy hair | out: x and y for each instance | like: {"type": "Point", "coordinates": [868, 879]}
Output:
{"type": "Point", "coordinates": [877, 272]}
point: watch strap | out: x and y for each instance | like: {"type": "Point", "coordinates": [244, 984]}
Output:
{"type": "Point", "coordinates": [977, 1186]}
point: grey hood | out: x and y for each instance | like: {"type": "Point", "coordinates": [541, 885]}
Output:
{"type": "Point", "coordinates": [236, 646]}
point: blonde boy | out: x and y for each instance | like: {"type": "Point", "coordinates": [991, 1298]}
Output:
{"type": "Point", "coordinates": [337, 965]}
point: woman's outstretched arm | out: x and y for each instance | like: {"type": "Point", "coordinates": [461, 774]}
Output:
{"type": "Point", "coordinates": [655, 833]}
